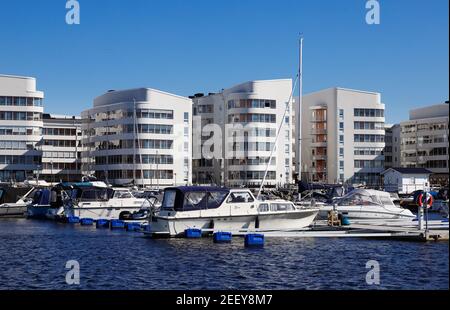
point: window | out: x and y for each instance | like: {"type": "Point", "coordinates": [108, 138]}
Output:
{"type": "Point", "coordinates": [122, 195]}
{"type": "Point", "coordinates": [281, 207]}
{"type": "Point", "coordinates": [186, 117]}
{"type": "Point", "coordinates": [169, 199]}
{"type": "Point", "coordinates": [368, 138]}
{"type": "Point", "coordinates": [264, 207]}
{"type": "Point", "coordinates": [341, 139]}
{"type": "Point", "coordinates": [341, 151]}
{"type": "Point", "coordinates": [240, 197]}
{"type": "Point", "coordinates": [369, 112]}
{"type": "Point", "coordinates": [341, 126]}
{"type": "Point", "coordinates": [341, 113]}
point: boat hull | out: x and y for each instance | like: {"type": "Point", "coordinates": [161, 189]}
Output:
{"type": "Point", "coordinates": [367, 212]}
{"type": "Point", "coordinates": [176, 226]}
{"type": "Point", "coordinates": [41, 212]}
{"type": "Point", "coordinates": [9, 211]}
{"type": "Point", "coordinates": [96, 213]}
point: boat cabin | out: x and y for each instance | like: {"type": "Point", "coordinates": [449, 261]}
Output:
{"type": "Point", "coordinates": [97, 191]}
{"type": "Point", "coordinates": [190, 198]}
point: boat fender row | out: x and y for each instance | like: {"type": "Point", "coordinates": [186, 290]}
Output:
{"type": "Point", "coordinates": [193, 233]}
{"type": "Point", "coordinates": [117, 224]}
{"type": "Point", "coordinates": [251, 240]}
{"type": "Point", "coordinates": [254, 240]}
{"type": "Point", "coordinates": [102, 223]}
{"type": "Point", "coordinates": [132, 226]}
{"type": "Point", "coordinates": [86, 221]}
{"type": "Point", "coordinates": [73, 219]}
{"type": "Point", "coordinates": [222, 237]}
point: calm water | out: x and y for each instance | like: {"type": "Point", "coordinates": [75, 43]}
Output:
{"type": "Point", "coordinates": [33, 255]}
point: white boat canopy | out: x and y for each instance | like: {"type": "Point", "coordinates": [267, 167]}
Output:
{"type": "Point", "coordinates": [366, 197]}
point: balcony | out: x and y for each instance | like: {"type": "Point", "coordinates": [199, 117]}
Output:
{"type": "Point", "coordinates": [318, 170]}
{"type": "Point", "coordinates": [319, 119]}
{"type": "Point", "coordinates": [319, 157]}
{"type": "Point", "coordinates": [318, 131]}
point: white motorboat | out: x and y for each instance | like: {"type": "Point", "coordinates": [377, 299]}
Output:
{"type": "Point", "coordinates": [367, 204]}
{"type": "Point", "coordinates": [19, 207]}
{"type": "Point", "coordinates": [222, 209]}
{"type": "Point", "coordinates": [96, 200]}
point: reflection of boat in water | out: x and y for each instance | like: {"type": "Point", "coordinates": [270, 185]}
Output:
{"type": "Point", "coordinates": [367, 204]}
{"type": "Point", "coordinates": [96, 200]}
{"type": "Point", "coordinates": [222, 209]}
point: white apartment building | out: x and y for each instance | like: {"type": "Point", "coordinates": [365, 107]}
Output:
{"type": "Point", "coordinates": [424, 141]}
{"type": "Point", "coordinates": [21, 108]}
{"type": "Point", "coordinates": [61, 148]}
{"type": "Point", "coordinates": [343, 136]}
{"type": "Point", "coordinates": [249, 116]}
{"type": "Point", "coordinates": [139, 136]}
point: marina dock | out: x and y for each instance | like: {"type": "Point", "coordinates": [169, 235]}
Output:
{"type": "Point", "coordinates": [438, 230]}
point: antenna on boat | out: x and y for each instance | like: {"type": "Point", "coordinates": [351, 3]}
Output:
{"type": "Point", "coordinates": [278, 134]}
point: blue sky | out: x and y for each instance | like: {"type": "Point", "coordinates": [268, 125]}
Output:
{"type": "Point", "coordinates": [190, 46]}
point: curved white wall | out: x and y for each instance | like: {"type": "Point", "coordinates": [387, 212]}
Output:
{"type": "Point", "coordinates": [164, 158]}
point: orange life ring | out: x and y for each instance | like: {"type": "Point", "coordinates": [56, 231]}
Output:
{"type": "Point", "coordinates": [429, 201]}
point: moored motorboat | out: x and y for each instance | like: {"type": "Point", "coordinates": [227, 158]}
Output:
{"type": "Point", "coordinates": [367, 204]}
{"type": "Point", "coordinates": [222, 209]}
{"type": "Point", "coordinates": [17, 208]}
{"type": "Point", "coordinates": [44, 204]}
{"type": "Point", "coordinates": [96, 200]}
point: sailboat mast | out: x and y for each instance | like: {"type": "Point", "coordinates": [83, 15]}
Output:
{"type": "Point", "coordinates": [134, 142]}
{"type": "Point", "coordinates": [298, 127]}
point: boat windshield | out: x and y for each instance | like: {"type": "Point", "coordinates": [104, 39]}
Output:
{"type": "Point", "coordinates": [91, 194]}
{"type": "Point", "coordinates": [358, 199]}
{"type": "Point", "coordinates": [169, 199]}
{"type": "Point", "coordinates": [240, 197]}
{"type": "Point", "coordinates": [42, 197]}
{"type": "Point", "coordinates": [122, 194]}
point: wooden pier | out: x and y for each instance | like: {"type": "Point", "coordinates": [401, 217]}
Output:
{"type": "Point", "coordinates": [384, 229]}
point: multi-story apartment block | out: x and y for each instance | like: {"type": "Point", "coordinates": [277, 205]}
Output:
{"type": "Point", "coordinates": [249, 117]}
{"type": "Point", "coordinates": [21, 109]}
{"type": "Point", "coordinates": [61, 148]}
{"type": "Point", "coordinates": [139, 136]}
{"type": "Point", "coordinates": [343, 136]}
{"type": "Point", "coordinates": [424, 141]}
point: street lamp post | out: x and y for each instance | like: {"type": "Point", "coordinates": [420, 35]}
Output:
{"type": "Point", "coordinates": [51, 167]}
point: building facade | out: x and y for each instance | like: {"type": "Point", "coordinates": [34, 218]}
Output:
{"type": "Point", "coordinates": [248, 118]}
{"type": "Point", "coordinates": [392, 146]}
{"type": "Point", "coordinates": [138, 136]}
{"type": "Point", "coordinates": [424, 141]}
{"type": "Point", "coordinates": [406, 180]}
{"type": "Point", "coordinates": [21, 109]}
{"type": "Point", "coordinates": [343, 137]}
{"type": "Point", "coordinates": [61, 148]}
